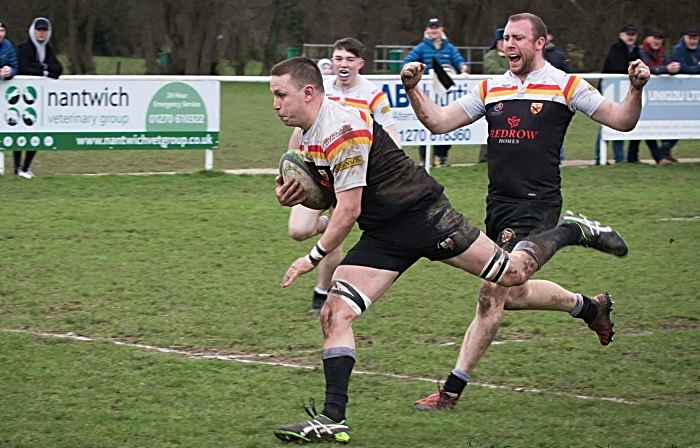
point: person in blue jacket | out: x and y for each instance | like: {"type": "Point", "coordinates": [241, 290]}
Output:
{"type": "Point", "coordinates": [687, 53]}
{"type": "Point", "coordinates": [436, 45]}
{"type": "Point", "coordinates": [8, 57]}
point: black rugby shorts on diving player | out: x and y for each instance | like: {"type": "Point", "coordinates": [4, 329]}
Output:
{"type": "Point", "coordinates": [437, 232]}
{"type": "Point", "coordinates": [507, 223]}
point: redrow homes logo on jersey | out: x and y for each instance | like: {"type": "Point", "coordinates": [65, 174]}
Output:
{"type": "Point", "coordinates": [513, 133]}
{"type": "Point", "coordinates": [343, 130]}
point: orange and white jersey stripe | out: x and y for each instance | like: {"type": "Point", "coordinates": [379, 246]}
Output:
{"type": "Point", "coordinates": [365, 96]}
{"type": "Point", "coordinates": [546, 84]}
{"type": "Point", "coordinates": [340, 139]}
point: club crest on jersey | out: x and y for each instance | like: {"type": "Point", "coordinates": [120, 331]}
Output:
{"type": "Point", "coordinates": [513, 121]}
{"type": "Point", "coordinates": [507, 234]}
{"type": "Point", "coordinates": [447, 244]}
{"type": "Point", "coordinates": [535, 108]}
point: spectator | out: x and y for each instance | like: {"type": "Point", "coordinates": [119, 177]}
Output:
{"type": "Point", "coordinates": [36, 58]}
{"type": "Point", "coordinates": [555, 56]}
{"type": "Point", "coordinates": [559, 60]}
{"type": "Point", "coordinates": [326, 66]}
{"type": "Point", "coordinates": [687, 53]}
{"type": "Point", "coordinates": [619, 57]}
{"type": "Point", "coordinates": [652, 53]}
{"type": "Point", "coordinates": [495, 63]}
{"type": "Point", "coordinates": [435, 45]}
{"type": "Point", "coordinates": [8, 58]}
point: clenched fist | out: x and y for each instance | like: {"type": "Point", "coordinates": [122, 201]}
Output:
{"type": "Point", "coordinates": [411, 74]}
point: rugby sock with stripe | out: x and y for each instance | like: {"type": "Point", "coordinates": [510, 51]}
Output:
{"type": "Point", "coordinates": [585, 309]}
{"type": "Point", "coordinates": [456, 382]}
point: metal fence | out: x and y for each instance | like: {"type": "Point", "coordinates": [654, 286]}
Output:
{"type": "Point", "coordinates": [389, 58]}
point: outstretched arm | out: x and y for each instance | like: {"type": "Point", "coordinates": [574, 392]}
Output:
{"type": "Point", "coordinates": [623, 116]}
{"type": "Point", "coordinates": [436, 119]}
{"type": "Point", "coordinates": [346, 212]}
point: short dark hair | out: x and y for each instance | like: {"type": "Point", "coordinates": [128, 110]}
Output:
{"type": "Point", "coordinates": [538, 25]}
{"type": "Point", "coordinates": [350, 44]}
{"type": "Point", "coordinates": [303, 71]}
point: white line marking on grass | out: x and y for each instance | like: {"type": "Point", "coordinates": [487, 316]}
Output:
{"type": "Point", "coordinates": [689, 218]}
{"type": "Point", "coordinates": [246, 359]}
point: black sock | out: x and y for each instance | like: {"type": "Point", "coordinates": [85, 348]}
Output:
{"type": "Point", "coordinates": [544, 245]}
{"type": "Point", "coordinates": [454, 385]}
{"type": "Point", "coordinates": [588, 311]}
{"type": "Point", "coordinates": [337, 371]}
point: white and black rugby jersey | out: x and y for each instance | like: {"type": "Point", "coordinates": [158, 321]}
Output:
{"type": "Point", "coordinates": [365, 96]}
{"type": "Point", "coordinates": [527, 122]}
{"type": "Point", "coordinates": [357, 152]}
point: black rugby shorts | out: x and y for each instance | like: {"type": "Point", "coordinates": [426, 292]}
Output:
{"type": "Point", "coordinates": [437, 232]}
{"type": "Point", "coordinates": [507, 223]}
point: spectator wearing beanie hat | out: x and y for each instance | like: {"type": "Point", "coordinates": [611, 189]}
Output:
{"type": "Point", "coordinates": [8, 57]}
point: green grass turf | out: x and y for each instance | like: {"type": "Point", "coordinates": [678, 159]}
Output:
{"type": "Point", "coordinates": [194, 262]}
{"type": "Point", "coordinates": [253, 137]}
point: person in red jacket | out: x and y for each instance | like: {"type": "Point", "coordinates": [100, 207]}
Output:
{"type": "Point", "coordinates": [652, 53]}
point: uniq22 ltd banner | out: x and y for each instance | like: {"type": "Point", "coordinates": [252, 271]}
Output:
{"type": "Point", "coordinates": [411, 130]}
{"type": "Point", "coordinates": [78, 114]}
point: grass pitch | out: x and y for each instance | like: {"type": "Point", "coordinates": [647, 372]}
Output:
{"type": "Point", "coordinates": [193, 262]}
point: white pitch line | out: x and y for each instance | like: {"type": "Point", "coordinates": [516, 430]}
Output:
{"type": "Point", "coordinates": [246, 359]}
{"type": "Point", "coordinates": [689, 218]}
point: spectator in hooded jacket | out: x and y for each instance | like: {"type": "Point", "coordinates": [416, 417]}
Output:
{"type": "Point", "coordinates": [687, 52]}
{"type": "Point", "coordinates": [652, 53]}
{"type": "Point", "coordinates": [8, 58]}
{"type": "Point", "coordinates": [36, 58]}
{"type": "Point", "coordinates": [436, 45]}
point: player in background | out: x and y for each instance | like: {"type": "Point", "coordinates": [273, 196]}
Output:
{"type": "Point", "coordinates": [348, 88]}
{"type": "Point", "coordinates": [528, 110]}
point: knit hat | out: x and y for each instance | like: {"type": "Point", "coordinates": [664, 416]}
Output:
{"type": "Point", "coordinates": [3, 24]}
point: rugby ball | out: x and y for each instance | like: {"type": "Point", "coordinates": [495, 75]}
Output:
{"type": "Point", "coordinates": [319, 192]}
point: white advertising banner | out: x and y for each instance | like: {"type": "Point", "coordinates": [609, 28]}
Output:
{"type": "Point", "coordinates": [410, 129]}
{"type": "Point", "coordinates": [670, 108]}
{"type": "Point", "coordinates": [41, 114]}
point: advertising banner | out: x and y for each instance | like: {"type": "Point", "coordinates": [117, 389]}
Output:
{"type": "Point", "coordinates": [411, 131]}
{"type": "Point", "coordinates": [670, 108]}
{"type": "Point", "coordinates": [41, 114]}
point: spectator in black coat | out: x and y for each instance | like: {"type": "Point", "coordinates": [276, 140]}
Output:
{"type": "Point", "coordinates": [555, 56]}
{"type": "Point", "coordinates": [620, 55]}
{"type": "Point", "coordinates": [36, 58]}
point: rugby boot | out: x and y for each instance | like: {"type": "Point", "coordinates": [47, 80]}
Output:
{"type": "Point", "coordinates": [601, 324]}
{"type": "Point", "coordinates": [317, 302]}
{"type": "Point", "coordinates": [437, 402]}
{"type": "Point", "coordinates": [318, 429]}
{"type": "Point", "coordinates": [596, 235]}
